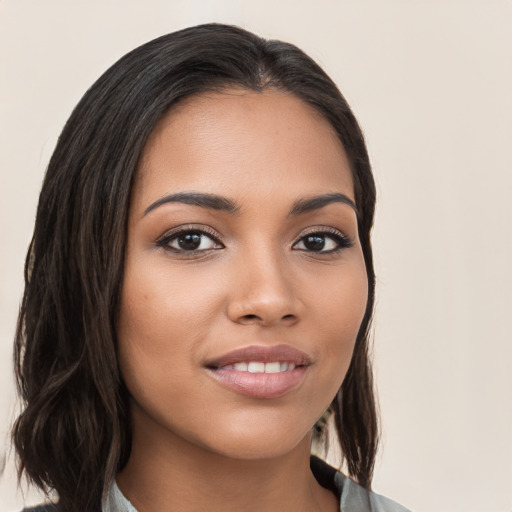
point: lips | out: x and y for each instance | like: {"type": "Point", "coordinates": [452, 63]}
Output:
{"type": "Point", "coordinates": [262, 354]}
{"type": "Point", "coordinates": [260, 371]}
{"type": "Point", "coordinates": [259, 367]}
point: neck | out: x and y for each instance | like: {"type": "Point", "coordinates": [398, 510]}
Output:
{"type": "Point", "coordinates": [169, 473]}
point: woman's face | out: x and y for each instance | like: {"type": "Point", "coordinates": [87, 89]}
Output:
{"type": "Point", "coordinates": [244, 283]}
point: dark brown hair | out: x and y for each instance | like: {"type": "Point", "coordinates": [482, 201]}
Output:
{"type": "Point", "coordinates": [74, 432]}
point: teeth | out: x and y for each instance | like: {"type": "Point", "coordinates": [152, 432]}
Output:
{"type": "Point", "coordinates": [258, 367]}
{"type": "Point", "coordinates": [272, 367]}
{"type": "Point", "coordinates": [254, 367]}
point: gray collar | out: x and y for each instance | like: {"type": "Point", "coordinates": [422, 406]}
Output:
{"type": "Point", "coordinates": [116, 502]}
{"type": "Point", "coordinates": [354, 498]}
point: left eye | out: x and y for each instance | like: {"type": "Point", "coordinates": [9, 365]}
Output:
{"type": "Point", "coordinates": [322, 242]}
{"type": "Point", "coordinates": [188, 241]}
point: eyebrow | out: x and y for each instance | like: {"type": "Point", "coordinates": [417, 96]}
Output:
{"type": "Point", "coordinates": [316, 202]}
{"type": "Point", "coordinates": [223, 204]}
{"type": "Point", "coordinates": [210, 201]}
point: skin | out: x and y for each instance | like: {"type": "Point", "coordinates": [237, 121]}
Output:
{"type": "Point", "coordinates": [255, 283]}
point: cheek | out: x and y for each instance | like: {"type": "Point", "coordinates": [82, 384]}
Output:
{"type": "Point", "coordinates": [159, 305]}
{"type": "Point", "coordinates": [160, 321]}
{"type": "Point", "coordinates": [170, 315]}
{"type": "Point", "coordinates": [341, 300]}
{"type": "Point", "coordinates": [337, 320]}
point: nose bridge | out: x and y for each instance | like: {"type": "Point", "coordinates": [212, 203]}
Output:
{"type": "Point", "coordinates": [263, 290]}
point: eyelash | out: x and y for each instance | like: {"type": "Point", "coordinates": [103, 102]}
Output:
{"type": "Point", "coordinates": [165, 241]}
{"type": "Point", "coordinates": [342, 241]}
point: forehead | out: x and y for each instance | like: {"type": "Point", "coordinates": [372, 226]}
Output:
{"type": "Point", "coordinates": [239, 143]}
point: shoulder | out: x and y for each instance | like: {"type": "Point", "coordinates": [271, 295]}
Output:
{"type": "Point", "coordinates": [41, 508]}
{"type": "Point", "coordinates": [353, 497]}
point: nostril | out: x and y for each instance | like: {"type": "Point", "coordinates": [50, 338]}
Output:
{"type": "Point", "coordinates": [251, 317]}
{"type": "Point", "coordinates": [257, 318]}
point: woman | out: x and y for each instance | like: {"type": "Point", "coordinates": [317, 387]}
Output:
{"type": "Point", "coordinates": [199, 288]}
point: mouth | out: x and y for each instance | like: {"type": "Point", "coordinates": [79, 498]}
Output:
{"type": "Point", "coordinates": [261, 371]}
{"type": "Point", "coordinates": [260, 367]}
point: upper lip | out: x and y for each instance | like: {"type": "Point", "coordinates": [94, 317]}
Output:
{"type": "Point", "coordinates": [263, 354]}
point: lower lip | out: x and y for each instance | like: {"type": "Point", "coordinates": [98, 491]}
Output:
{"type": "Point", "coordinates": [260, 385]}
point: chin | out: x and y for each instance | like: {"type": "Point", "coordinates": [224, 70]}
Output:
{"type": "Point", "coordinates": [264, 440]}
{"type": "Point", "coordinates": [259, 448]}
{"type": "Point", "coordinates": [238, 433]}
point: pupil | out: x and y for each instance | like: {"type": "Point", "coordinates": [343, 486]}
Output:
{"type": "Point", "coordinates": [315, 243]}
{"type": "Point", "coordinates": [190, 241]}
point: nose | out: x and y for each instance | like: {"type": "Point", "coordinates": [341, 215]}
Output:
{"type": "Point", "coordinates": [264, 291]}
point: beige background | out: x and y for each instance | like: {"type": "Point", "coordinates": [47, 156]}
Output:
{"type": "Point", "coordinates": [431, 82]}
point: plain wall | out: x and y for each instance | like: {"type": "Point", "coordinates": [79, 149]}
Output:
{"type": "Point", "coordinates": [431, 83]}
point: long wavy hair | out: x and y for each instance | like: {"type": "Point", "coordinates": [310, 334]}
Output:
{"type": "Point", "coordinates": [73, 434]}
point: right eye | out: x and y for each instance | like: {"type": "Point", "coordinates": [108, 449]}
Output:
{"type": "Point", "coordinates": [190, 241]}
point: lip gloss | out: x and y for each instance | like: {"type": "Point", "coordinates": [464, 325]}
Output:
{"type": "Point", "coordinates": [260, 385]}
{"type": "Point", "coordinates": [260, 371]}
